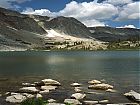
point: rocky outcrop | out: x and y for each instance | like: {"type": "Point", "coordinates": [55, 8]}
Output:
{"type": "Point", "coordinates": [132, 95]}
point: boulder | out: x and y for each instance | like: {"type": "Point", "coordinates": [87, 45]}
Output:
{"type": "Point", "coordinates": [51, 100]}
{"type": "Point", "coordinates": [51, 82]}
{"type": "Point", "coordinates": [94, 82]}
{"type": "Point", "coordinates": [76, 89]}
{"type": "Point", "coordinates": [102, 86]}
{"type": "Point", "coordinates": [111, 90]}
{"type": "Point", "coordinates": [39, 96]}
{"type": "Point", "coordinates": [72, 101]}
{"type": "Point", "coordinates": [28, 84]}
{"type": "Point", "coordinates": [7, 93]}
{"type": "Point", "coordinates": [76, 84]}
{"type": "Point", "coordinates": [28, 95]}
{"type": "Point", "coordinates": [12, 93]}
{"type": "Point", "coordinates": [29, 90]}
{"type": "Point", "coordinates": [78, 96]}
{"type": "Point", "coordinates": [18, 98]}
{"type": "Point", "coordinates": [91, 102]}
{"type": "Point", "coordinates": [48, 87]}
{"type": "Point", "coordinates": [44, 92]}
{"type": "Point", "coordinates": [104, 101]}
{"type": "Point", "coordinates": [133, 96]}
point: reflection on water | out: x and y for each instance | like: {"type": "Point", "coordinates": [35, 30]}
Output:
{"type": "Point", "coordinates": [118, 67]}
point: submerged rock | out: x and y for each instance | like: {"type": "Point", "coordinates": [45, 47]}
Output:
{"type": "Point", "coordinates": [94, 82]}
{"type": "Point", "coordinates": [39, 83]}
{"type": "Point", "coordinates": [29, 90]}
{"type": "Point", "coordinates": [133, 96]}
{"type": "Point", "coordinates": [18, 98]}
{"type": "Point", "coordinates": [51, 82]}
{"type": "Point", "coordinates": [72, 101]}
{"type": "Point", "coordinates": [102, 86]}
{"type": "Point", "coordinates": [76, 84]}
{"type": "Point", "coordinates": [91, 102]}
{"type": "Point", "coordinates": [78, 96]}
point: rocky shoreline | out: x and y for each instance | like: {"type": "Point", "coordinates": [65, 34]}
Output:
{"type": "Point", "coordinates": [46, 88]}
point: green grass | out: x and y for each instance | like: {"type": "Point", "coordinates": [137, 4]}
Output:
{"type": "Point", "coordinates": [39, 101]}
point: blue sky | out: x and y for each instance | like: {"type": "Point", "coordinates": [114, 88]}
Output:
{"type": "Point", "coordinates": [114, 13]}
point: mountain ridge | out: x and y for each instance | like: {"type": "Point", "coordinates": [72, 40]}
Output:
{"type": "Point", "coordinates": [27, 32]}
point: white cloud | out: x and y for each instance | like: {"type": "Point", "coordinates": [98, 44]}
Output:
{"type": "Point", "coordinates": [8, 3]}
{"type": "Point", "coordinates": [42, 12]}
{"type": "Point", "coordinates": [118, 2]}
{"type": "Point", "coordinates": [89, 13]}
{"type": "Point", "coordinates": [93, 23]}
{"type": "Point", "coordinates": [129, 11]}
{"type": "Point", "coordinates": [127, 26]}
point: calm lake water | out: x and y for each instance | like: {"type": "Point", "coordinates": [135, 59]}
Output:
{"type": "Point", "coordinates": [118, 68]}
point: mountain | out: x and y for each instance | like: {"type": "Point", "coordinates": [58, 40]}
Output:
{"type": "Point", "coordinates": [34, 32]}
{"type": "Point", "coordinates": [109, 34]}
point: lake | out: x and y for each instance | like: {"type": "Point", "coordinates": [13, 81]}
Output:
{"type": "Point", "coordinates": [118, 68]}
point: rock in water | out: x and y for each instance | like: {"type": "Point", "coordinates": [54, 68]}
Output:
{"type": "Point", "coordinates": [111, 90]}
{"type": "Point", "coordinates": [28, 84]}
{"type": "Point", "coordinates": [39, 96]}
{"type": "Point", "coordinates": [94, 82]}
{"type": "Point", "coordinates": [104, 101]}
{"type": "Point", "coordinates": [78, 96]}
{"type": "Point", "coordinates": [91, 102]}
{"type": "Point", "coordinates": [102, 86]}
{"type": "Point", "coordinates": [133, 96]}
{"type": "Point", "coordinates": [44, 92]}
{"type": "Point", "coordinates": [48, 87]}
{"type": "Point", "coordinates": [76, 84]}
{"type": "Point", "coordinates": [51, 100]}
{"type": "Point", "coordinates": [29, 90]}
{"type": "Point", "coordinates": [76, 89]}
{"type": "Point", "coordinates": [18, 98]}
{"type": "Point", "coordinates": [51, 82]}
{"type": "Point", "coordinates": [72, 101]}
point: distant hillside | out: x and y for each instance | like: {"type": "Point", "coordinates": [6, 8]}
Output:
{"type": "Point", "coordinates": [109, 34]}
{"type": "Point", "coordinates": [34, 32]}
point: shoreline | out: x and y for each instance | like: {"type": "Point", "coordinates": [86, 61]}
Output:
{"type": "Point", "coordinates": [64, 91]}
